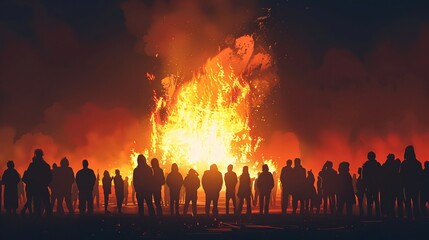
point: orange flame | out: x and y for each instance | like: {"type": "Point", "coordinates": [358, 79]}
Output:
{"type": "Point", "coordinates": [207, 120]}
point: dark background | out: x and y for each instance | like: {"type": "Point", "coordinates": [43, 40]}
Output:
{"type": "Point", "coordinates": [353, 75]}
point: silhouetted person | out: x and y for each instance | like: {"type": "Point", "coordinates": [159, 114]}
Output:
{"type": "Point", "coordinates": [166, 194]}
{"type": "Point", "coordinates": [65, 177]}
{"type": "Point", "coordinates": [411, 172]}
{"type": "Point", "coordinates": [174, 182]}
{"type": "Point", "coordinates": [119, 189]}
{"type": "Point", "coordinates": [29, 194]}
{"type": "Point", "coordinates": [126, 188]}
{"type": "Point", "coordinates": [21, 193]}
{"type": "Point", "coordinates": [182, 195]}
{"type": "Point", "coordinates": [75, 194]}
{"type": "Point", "coordinates": [346, 195]}
{"type": "Point", "coordinates": [329, 187]}
{"type": "Point", "coordinates": [399, 189]}
{"type": "Point", "coordinates": [96, 190]}
{"type": "Point", "coordinates": [286, 182]}
{"type": "Point", "coordinates": [424, 194]}
{"type": "Point", "coordinates": [212, 184]}
{"type": "Point", "coordinates": [265, 185]}
{"type": "Point", "coordinates": [142, 180]}
{"type": "Point", "coordinates": [354, 180]}
{"type": "Point", "coordinates": [107, 189]}
{"type": "Point", "coordinates": [133, 193]}
{"type": "Point", "coordinates": [85, 179]}
{"type": "Point", "coordinates": [54, 185]}
{"type": "Point", "coordinates": [389, 174]}
{"type": "Point", "coordinates": [371, 172]}
{"type": "Point", "coordinates": [230, 183]}
{"type": "Point", "coordinates": [244, 191]}
{"type": "Point", "coordinates": [191, 184]}
{"type": "Point", "coordinates": [39, 177]}
{"type": "Point", "coordinates": [311, 200]}
{"type": "Point", "coordinates": [10, 180]}
{"type": "Point", "coordinates": [158, 181]}
{"type": "Point", "coordinates": [298, 189]}
{"type": "Point", "coordinates": [256, 189]}
{"type": "Point", "coordinates": [360, 192]}
{"type": "Point", "coordinates": [319, 191]}
{"type": "Point", "coordinates": [252, 182]}
{"type": "Point", "coordinates": [274, 191]}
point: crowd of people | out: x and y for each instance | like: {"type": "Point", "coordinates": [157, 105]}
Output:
{"type": "Point", "coordinates": [387, 188]}
{"type": "Point", "coordinates": [383, 189]}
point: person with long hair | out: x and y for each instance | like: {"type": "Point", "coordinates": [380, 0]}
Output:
{"type": "Point", "coordinates": [411, 172]}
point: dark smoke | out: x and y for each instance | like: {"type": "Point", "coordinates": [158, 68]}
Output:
{"type": "Point", "coordinates": [353, 77]}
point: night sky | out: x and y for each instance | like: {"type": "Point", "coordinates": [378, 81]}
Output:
{"type": "Point", "coordinates": [353, 75]}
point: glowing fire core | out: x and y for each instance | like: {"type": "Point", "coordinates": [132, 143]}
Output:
{"type": "Point", "coordinates": [208, 119]}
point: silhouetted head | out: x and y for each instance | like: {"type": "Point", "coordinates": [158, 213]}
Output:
{"type": "Point", "coordinates": [64, 162]}
{"type": "Point", "coordinates": [359, 171]}
{"type": "Point", "coordinates": [126, 178]}
{"type": "Point", "coordinates": [297, 162]}
{"type": "Point", "coordinates": [426, 164]}
{"type": "Point", "coordinates": [154, 162]}
{"type": "Point", "coordinates": [409, 153]}
{"type": "Point", "coordinates": [106, 174]}
{"type": "Point", "coordinates": [329, 164]}
{"type": "Point", "coordinates": [344, 167]}
{"type": "Point", "coordinates": [245, 170]}
{"type": "Point", "coordinates": [371, 156]}
{"type": "Point", "coordinates": [289, 163]}
{"type": "Point", "coordinates": [54, 166]}
{"type": "Point", "coordinates": [230, 167]}
{"type": "Point", "coordinates": [213, 167]}
{"type": "Point", "coordinates": [265, 168]}
{"type": "Point", "coordinates": [117, 172]}
{"type": "Point", "coordinates": [85, 163]}
{"type": "Point", "coordinates": [10, 164]}
{"type": "Point", "coordinates": [192, 171]}
{"type": "Point", "coordinates": [141, 159]}
{"type": "Point", "coordinates": [310, 173]}
{"type": "Point", "coordinates": [391, 157]}
{"type": "Point", "coordinates": [174, 167]}
{"type": "Point", "coordinates": [38, 153]}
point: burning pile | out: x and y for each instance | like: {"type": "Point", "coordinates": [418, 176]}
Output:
{"type": "Point", "coordinates": [208, 119]}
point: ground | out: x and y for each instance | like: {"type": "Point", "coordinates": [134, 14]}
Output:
{"type": "Point", "coordinates": [274, 226]}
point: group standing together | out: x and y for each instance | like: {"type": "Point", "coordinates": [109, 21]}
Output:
{"type": "Point", "coordinates": [387, 188]}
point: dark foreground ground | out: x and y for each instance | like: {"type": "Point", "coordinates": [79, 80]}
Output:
{"type": "Point", "coordinates": [275, 226]}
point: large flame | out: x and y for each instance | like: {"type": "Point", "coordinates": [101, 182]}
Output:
{"type": "Point", "coordinates": [208, 119]}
